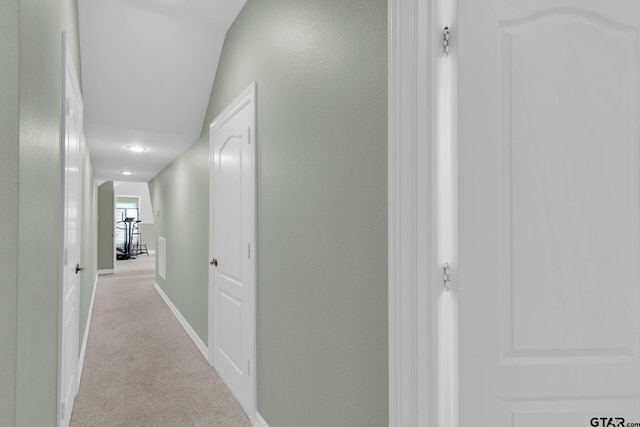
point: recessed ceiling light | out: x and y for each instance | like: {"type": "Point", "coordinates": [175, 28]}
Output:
{"type": "Point", "coordinates": [137, 148]}
{"type": "Point", "coordinates": [126, 172]}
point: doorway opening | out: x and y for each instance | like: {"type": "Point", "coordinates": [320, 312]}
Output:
{"type": "Point", "coordinates": [127, 235]}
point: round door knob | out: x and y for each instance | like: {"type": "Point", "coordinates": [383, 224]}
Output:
{"type": "Point", "coordinates": [214, 262]}
{"type": "Point", "coordinates": [78, 268]}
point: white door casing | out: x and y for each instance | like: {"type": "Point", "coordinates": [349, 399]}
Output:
{"type": "Point", "coordinates": [413, 304]}
{"type": "Point", "coordinates": [548, 268]}
{"type": "Point", "coordinates": [70, 216]}
{"type": "Point", "coordinates": [232, 248]}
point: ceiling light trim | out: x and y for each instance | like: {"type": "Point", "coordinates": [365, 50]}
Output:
{"type": "Point", "coordinates": [137, 148]}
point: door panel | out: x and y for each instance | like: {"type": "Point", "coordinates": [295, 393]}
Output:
{"type": "Point", "coordinates": [232, 235]}
{"type": "Point", "coordinates": [71, 251]}
{"type": "Point", "coordinates": [228, 185]}
{"type": "Point", "coordinates": [230, 343]}
{"type": "Point", "coordinates": [549, 212]}
{"type": "Point", "coordinates": [568, 174]}
{"type": "Point", "coordinates": [229, 141]}
{"type": "Point", "coordinates": [566, 412]}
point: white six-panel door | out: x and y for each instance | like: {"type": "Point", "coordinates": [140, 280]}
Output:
{"type": "Point", "coordinates": [548, 272]}
{"type": "Point", "coordinates": [233, 249]}
{"type": "Point", "coordinates": [71, 184]}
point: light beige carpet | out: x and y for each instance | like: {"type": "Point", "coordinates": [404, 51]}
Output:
{"type": "Point", "coordinates": [141, 368]}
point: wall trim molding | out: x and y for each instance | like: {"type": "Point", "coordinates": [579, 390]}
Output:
{"type": "Point", "coordinates": [413, 268]}
{"type": "Point", "coordinates": [86, 330]}
{"type": "Point", "coordinates": [107, 271]}
{"type": "Point", "coordinates": [187, 327]}
{"type": "Point", "coordinates": [259, 421]}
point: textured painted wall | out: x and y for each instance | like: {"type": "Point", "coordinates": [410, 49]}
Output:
{"type": "Point", "coordinates": [9, 137]}
{"type": "Point", "coordinates": [149, 236]}
{"type": "Point", "coordinates": [181, 194]}
{"type": "Point", "coordinates": [321, 71]}
{"type": "Point", "coordinates": [41, 26]}
{"type": "Point", "coordinates": [106, 215]}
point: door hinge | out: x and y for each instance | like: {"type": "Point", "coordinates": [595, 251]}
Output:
{"type": "Point", "coordinates": [249, 250]}
{"type": "Point", "coordinates": [66, 256]}
{"type": "Point", "coordinates": [248, 367]}
{"type": "Point", "coordinates": [249, 135]}
{"type": "Point", "coordinates": [62, 409]}
{"type": "Point", "coordinates": [67, 107]}
{"type": "Point", "coordinates": [446, 275]}
{"type": "Point", "coordinates": [446, 37]}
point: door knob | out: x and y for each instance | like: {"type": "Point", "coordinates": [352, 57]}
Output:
{"type": "Point", "coordinates": [214, 262]}
{"type": "Point", "coordinates": [78, 268]}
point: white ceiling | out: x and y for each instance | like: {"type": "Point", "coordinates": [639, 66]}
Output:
{"type": "Point", "coordinates": [147, 71]}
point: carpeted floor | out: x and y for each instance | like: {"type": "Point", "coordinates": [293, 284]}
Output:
{"type": "Point", "coordinates": [141, 368]}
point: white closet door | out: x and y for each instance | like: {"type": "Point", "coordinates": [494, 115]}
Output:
{"type": "Point", "coordinates": [548, 270]}
{"type": "Point", "coordinates": [71, 193]}
{"type": "Point", "coordinates": [232, 247]}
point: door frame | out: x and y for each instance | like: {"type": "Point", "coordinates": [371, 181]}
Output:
{"type": "Point", "coordinates": [414, 273]}
{"type": "Point", "coordinates": [67, 68]}
{"type": "Point", "coordinates": [247, 96]}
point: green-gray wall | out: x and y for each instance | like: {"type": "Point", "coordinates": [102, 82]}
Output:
{"type": "Point", "coordinates": [106, 215]}
{"type": "Point", "coordinates": [181, 194]}
{"type": "Point", "coordinates": [9, 149]}
{"type": "Point", "coordinates": [149, 235]}
{"type": "Point", "coordinates": [321, 73]}
{"type": "Point", "coordinates": [30, 76]}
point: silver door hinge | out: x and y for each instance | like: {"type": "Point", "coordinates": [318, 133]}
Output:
{"type": "Point", "coordinates": [248, 367]}
{"type": "Point", "coordinates": [446, 36]}
{"type": "Point", "coordinates": [67, 107]}
{"type": "Point", "coordinates": [249, 134]}
{"type": "Point", "coordinates": [249, 250]}
{"type": "Point", "coordinates": [62, 409]}
{"type": "Point", "coordinates": [446, 270]}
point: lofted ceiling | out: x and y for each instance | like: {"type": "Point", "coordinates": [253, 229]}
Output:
{"type": "Point", "coordinates": [147, 71]}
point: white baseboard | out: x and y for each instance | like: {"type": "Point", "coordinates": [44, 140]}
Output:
{"type": "Point", "coordinates": [259, 421]}
{"type": "Point", "coordinates": [86, 330]}
{"type": "Point", "coordinates": [187, 327]}
{"type": "Point", "coordinates": [109, 271]}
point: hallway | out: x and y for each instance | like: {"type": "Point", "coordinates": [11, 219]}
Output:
{"type": "Point", "coordinates": [141, 368]}
{"type": "Point", "coordinates": [321, 321]}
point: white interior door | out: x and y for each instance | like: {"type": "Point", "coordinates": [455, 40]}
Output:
{"type": "Point", "coordinates": [548, 269]}
{"type": "Point", "coordinates": [71, 227]}
{"type": "Point", "coordinates": [232, 248]}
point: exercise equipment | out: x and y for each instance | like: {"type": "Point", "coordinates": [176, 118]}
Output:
{"type": "Point", "coordinates": [129, 250]}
